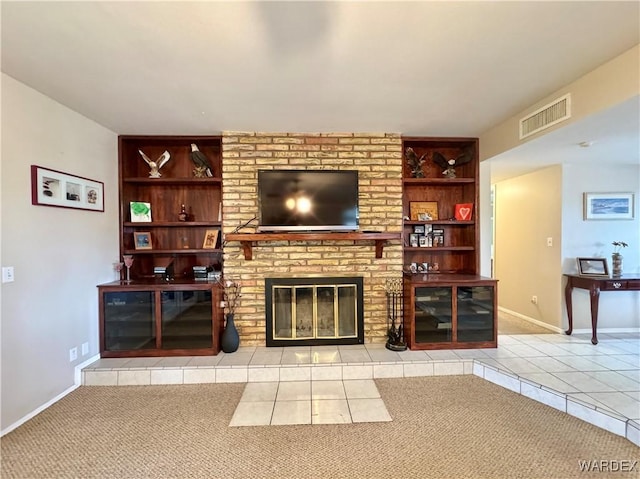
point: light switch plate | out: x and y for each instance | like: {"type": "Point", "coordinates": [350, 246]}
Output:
{"type": "Point", "coordinates": [7, 274]}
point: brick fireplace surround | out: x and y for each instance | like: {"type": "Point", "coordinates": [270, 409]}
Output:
{"type": "Point", "coordinates": [378, 159]}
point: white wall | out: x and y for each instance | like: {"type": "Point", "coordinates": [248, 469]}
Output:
{"type": "Point", "coordinates": [528, 211]}
{"type": "Point", "coordinates": [593, 239]}
{"type": "Point", "coordinates": [59, 254]}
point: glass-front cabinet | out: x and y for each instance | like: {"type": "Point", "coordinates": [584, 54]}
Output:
{"type": "Point", "coordinates": [450, 311]}
{"type": "Point", "coordinates": [159, 319]}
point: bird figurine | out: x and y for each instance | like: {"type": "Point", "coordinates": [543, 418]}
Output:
{"type": "Point", "coordinates": [450, 164]}
{"type": "Point", "coordinates": [201, 162]}
{"type": "Point", "coordinates": [155, 166]}
{"type": "Point", "coordinates": [415, 163]}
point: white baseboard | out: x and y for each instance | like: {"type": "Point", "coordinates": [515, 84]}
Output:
{"type": "Point", "coordinates": [77, 382]}
{"type": "Point", "coordinates": [560, 330]}
{"type": "Point", "coordinates": [555, 329]}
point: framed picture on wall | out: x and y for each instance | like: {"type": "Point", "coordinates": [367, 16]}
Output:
{"type": "Point", "coordinates": [64, 190]}
{"type": "Point", "coordinates": [142, 240]}
{"type": "Point", "coordinates": [608, 206]}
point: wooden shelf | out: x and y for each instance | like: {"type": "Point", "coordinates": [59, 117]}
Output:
{"type": "Point", "coordinates": [170, 224]}
{"type": "Point", "coordinates": [248, 239]}
{"type": "Point", "coordinates": [437, 181]}
{"type": "Point", "coordinates": [173, 251]}
{"type": "Point", "coordinates": [439, 248]}
{"type": "Point", "coordinates": [440, 222]}
{"type": "Point", "coordinates": [172, 181]}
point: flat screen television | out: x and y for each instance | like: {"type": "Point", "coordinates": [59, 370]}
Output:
{"type": "Point", "coordinates": [307, 200]}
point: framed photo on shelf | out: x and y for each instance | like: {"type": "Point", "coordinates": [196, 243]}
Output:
{"type": "Point", "coordinates": [464, 211]}
{"type": "Point", "coordinates": [608, 206]}
{"type": "Point", "coordinates": [413, 240]}
{"type": "Point", "coordinates": [64, 190]}
{"type": "Point", "coordinates": [419, 229]}
{"type": "Point", "coordinates": [140, 212]}
{"type": "Point", "coordinates": [438, 237]}
{"type": "Point", "coordinates": [423, 210]}
{"type": "Point", "coordinates": [593, 267]}
{"type": "Point", "coordinates": [422, 241]}
{"type": "Point", "coordinates": [142, 240]}
{"type": "Point", "coordinates": [210, 239]}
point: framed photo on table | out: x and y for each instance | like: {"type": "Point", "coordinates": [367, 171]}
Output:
{"type": "Point", "coordinates": [64, 190]}
{"type": "Point", "coordinates": [593, 267]}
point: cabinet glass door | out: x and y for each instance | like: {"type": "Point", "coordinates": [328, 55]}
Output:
{"type": "Point", "coordinates": [129, 321]}
{"type": "Point", "coordinates": [475, 313]}
{"type": "Point", "coordinates": [186, 320]}
{"type": "Point", "coordinates": [433, 308]}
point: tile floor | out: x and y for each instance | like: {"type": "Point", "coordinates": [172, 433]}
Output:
{"type": "Point", "coordinates": [313, 385]}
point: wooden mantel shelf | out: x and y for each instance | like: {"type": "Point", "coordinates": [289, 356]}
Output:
{"type": "Point", "coordinates": [248, 239]}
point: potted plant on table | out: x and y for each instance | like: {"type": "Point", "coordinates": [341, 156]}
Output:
{"type": "Point", "coordinates": [616, 257]}
{"type": "Point", "coordinates": [231, 292]}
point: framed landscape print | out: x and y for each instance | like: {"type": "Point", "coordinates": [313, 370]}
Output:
{"type": "Point", "coordinates": [423, 210]}
{"type": "Point", "coordinates": [593, 267]}
{"type": "Point", "coordinates": [608, 206]}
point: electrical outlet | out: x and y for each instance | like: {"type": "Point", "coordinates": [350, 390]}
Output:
{"type": "Point", "coordinates": [73, 354]}
{"type": "Point", "coordinates": [7, 274]}
{"type": "Point", "coordinates": [534, 299]}
{"type": "Point", "coordinates": [549, 241]}
{"type": "Point", "coordinates": [85, 349]}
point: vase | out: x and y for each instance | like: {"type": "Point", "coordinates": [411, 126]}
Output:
{"type": "Point", "coordinates": [616, 261]}
{"type": "Point", "coordinates": [230, 339]}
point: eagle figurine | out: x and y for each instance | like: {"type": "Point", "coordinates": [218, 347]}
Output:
{"type": "Point", "coordinates": [415, 163]}
{"type": "Point", "coordinates": [202, 166]}
{"type": "Point", "coordinates": [155, 166]}
{"type": "Point", "coordinates": [450, 164]}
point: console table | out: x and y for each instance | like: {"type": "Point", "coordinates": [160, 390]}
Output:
{"type": "Point", "coordinates": [595, 284]}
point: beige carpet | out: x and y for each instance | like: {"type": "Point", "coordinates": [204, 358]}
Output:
{"type": "Point", "coordinates": [443, 427]}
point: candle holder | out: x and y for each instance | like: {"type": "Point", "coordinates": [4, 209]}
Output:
{"type": "Point", "coordinates": [128, 262]}
{"type": "Point", "coordinates": [395, 330]}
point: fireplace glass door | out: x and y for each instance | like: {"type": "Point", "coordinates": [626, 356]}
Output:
{"type": "Point", "coordinates": [302, 312]}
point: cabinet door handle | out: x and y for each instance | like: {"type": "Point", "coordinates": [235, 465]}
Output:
{"type": "Point", "coordinates": [617, 285]}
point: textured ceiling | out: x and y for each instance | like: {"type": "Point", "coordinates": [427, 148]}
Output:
{"type": "Point", "coordinates": [417, 68]}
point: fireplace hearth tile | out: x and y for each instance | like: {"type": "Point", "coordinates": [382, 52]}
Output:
{"type": "Point", "coordinates": [327, 390]}
{"type": "Point", "coordinates": [236, 359]}
{"type": "Point", "coordinates": [325, 357]}
{"type": "Point", "coordinates": [263, 374]}
{"type": "Point", "coordinates": [354, 356]}
{"type": "Point", "coordinates": [291, 413]}
{"type": "Point", "coordinates": [264, 358]}
{"type": "Point", "coordinates": [330, 411]}
{"type": "Point", "coordinates": [368, 410]}
{"type": "Point", "coordinates": [254, 413]}
{"type": "Point", "coordinates": [326, 373]}
{"type": "Point", "coordinates": [296, 357]}
{"type": "Point", "coordinates": [302, 373]}
{"type": "Point", "coordinates": [357, 372]}
{"type": "Point", "coordinates": [294, 391]}
{"type": "Point", "coordinates": [259, 392]}
{"type": "Point", "coordinates": [361, 389]}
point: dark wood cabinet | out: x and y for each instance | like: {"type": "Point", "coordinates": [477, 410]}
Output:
{"type": "Point", "coordinates": [441, 250]}
{"type": "Point", "coordinates": [180, 243]}
{"type": "Point", "coordinates": [156, 319]}
{"type": "Point", "coordinates": [449, 311]}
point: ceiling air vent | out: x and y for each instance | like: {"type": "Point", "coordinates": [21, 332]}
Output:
{"type": "Point", "coordinates": [541, 119]}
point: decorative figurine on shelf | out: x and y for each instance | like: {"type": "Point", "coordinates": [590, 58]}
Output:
{"type": "Point", "coordinates": [183, 215]}
{"type": "Point", "coordinates": [202, 166]}
{"type": "Point", "coordinates": [450, 164]}
{"type": "Point", "coordinates": [155, 166]}
{"type": "Point", "coordinates": [415, 163]}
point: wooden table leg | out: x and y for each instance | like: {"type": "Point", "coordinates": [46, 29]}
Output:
{"type": "Point", "coordinates": [595, 296]}
{"type": "Point", "coordinates": [567, 297]}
